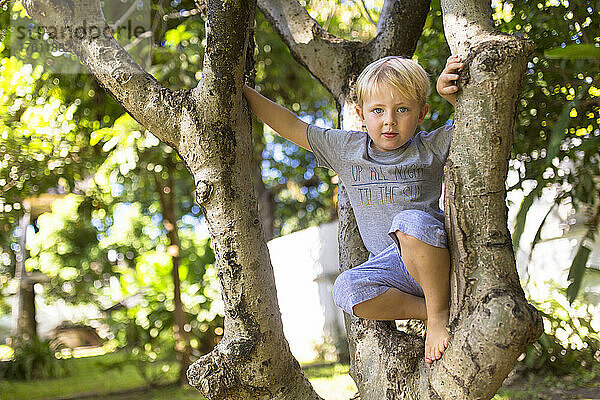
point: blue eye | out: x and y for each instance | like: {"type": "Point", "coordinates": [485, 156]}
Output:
{"type": "Point", "coordinates": [378, 110]}
{"type": "Point", "coordinates": [402, 109]}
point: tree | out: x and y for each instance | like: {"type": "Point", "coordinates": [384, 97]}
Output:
{"type": "Point", "coordinates": [476, 294]}
{"type": "Point", "coordinates": [209, 127]}
{"type": "Point", "coordinates": [210, 130]}
{"type": "Point", "coordinates": [44, 149]}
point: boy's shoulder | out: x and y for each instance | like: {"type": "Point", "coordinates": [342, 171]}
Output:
{"type": "Point", "coordinates": [437, 141]}
{"type": "Point", "coordinates": [334, 131]}
{"type": "Point", "coordinates": [333, 147]}
{"type": "Point", "coordinates": [444, 130]}
{"type": "Point", "coordinates": [334, 136]}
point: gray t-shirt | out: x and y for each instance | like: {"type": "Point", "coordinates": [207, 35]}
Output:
{"type": "Point", "coordinates": [381, 184]}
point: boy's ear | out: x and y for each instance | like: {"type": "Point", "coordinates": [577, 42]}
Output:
{"type": "Point", "coordinates": [423, 113]}
{"type": "Point", "coordinates": [360, 113]}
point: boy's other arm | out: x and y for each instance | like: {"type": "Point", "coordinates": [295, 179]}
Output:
{"type": "Point", "coordinates": [280, 119]}
{"type": "Point", "coordinates": [446, 83]}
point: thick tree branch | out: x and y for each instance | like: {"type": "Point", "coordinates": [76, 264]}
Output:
{"type": "Point", "coordinates": [399, 28]}
{"type": "Point", "coordinates": [82, 29]}
{"type": "Point", "coordinates": [491, 321]}
{"type": "Point", "coordinates": [467, 23]}
{"type": "Point", "coordinates": [324, 55]}
{"type": "Point", "coordinates": [226, 36]}
{"type": "Point", "coordinates": [253, 360]}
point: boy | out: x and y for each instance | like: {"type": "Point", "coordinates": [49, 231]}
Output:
{"type": "Point", "coordinates": [393, 177]}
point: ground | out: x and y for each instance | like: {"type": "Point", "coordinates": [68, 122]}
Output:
{"type": "Point", "coordinates": [97, 377]}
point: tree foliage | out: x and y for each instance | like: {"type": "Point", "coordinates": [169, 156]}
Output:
{"type": "Point", "coordinates": [557, 135]}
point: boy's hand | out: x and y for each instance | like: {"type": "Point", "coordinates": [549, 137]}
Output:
{"type": "Point", "coordinates": [446, 84]}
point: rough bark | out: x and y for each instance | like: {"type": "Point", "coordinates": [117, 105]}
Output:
{"type": "Point", "coordinates": [491, 321]}
{"type": "Point", "coordinates": [253, 359]}
{"type": "Point", "coordinates": [209, 126]}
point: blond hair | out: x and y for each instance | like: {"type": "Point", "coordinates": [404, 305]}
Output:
{"type": "Point", "coordinates": [404, 74]}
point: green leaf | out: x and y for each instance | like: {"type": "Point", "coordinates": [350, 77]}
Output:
{"type": "Point", "coordinates": [577, 271]}
{"type": "Point", "coordinates": [573, 51]}
{"type": "Point", "coordinates": [562, 123]}
{"type": "Point", "coordinates": [538, 234]}
{"type": "Point", "coordinates": [522, 214]}
{"type": "Point", "coordinates": [100, 134]}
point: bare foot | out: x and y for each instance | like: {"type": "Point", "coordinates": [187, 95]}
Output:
{"type": "Point", "coordinates": [436, 337]}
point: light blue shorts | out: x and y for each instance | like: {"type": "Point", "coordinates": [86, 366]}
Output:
{"type": "Point", "coordinates": [386, 269]}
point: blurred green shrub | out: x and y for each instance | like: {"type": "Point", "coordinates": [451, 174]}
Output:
{"type": "Point", "coordinates": [33, 359]}
{"type": "Point", "coordinates": [145, 333]}
{"type": "Point", "coordinates": [569, 343]}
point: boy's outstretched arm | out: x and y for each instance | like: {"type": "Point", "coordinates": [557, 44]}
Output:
{"type": "Point", "coordinates": [279, 118]}
{"type": "Point", "coordinates": [446, 83]}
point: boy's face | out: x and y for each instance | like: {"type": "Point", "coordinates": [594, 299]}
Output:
{"type": "Point", "coordinates": [391, 119]}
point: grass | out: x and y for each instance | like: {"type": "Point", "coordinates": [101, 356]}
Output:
{"type": "Point", "coordinates": [581, 384]}
{"type": "Point", "coordinates": [171, 393]}
{"type": "Point", "coordinates": [331, 382]}
{"type": "Point", "coordinates": [86, 375]}
{"type": "Point", "coordinates": [99, 374]}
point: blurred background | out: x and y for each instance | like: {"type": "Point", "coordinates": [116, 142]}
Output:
{"type": "Point", "coordinates": [102, 299]}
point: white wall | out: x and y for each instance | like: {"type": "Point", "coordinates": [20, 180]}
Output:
{"type": "Point", "coordinates": [305, 264]}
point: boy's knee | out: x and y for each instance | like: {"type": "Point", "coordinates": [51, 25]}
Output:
{"type": "Point", "coordinates": [339, 285]}
{"type": "Point", "coordinates": [342, 287]}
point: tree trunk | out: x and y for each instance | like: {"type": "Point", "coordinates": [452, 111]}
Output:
{"type": "Point", "coordinates": [266, 200]}
{"type": "Point", "coordinates": [24, 322]}
{"type": "Point", "coordinates": [491, 322]}
{"type": "Point", "coordinates": [183, 349]}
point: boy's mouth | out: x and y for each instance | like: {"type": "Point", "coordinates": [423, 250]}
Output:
{"type": "Point", "coordinates": [389, 135]}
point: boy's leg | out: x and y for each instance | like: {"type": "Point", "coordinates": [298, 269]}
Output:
{"type": "Point", "coordinates": [430, 267]}
{"type": "Point", "coordinates": [390, 305]}
{"type": "Point", "coordinates": [380, 289]}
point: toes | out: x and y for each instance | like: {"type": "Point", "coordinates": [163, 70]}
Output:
{"type": "Point", "coordinates": [429, 355]}
{"type": "Point", "coordinates": [442, 347]}
{"type": "Point", "coordinates": [434, 352]}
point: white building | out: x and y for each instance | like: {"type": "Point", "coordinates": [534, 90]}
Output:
{"type": "Point", "coordinates": [305, 265]}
